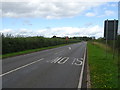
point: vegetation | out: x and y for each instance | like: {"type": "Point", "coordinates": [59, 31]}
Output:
{"type": "Point", "coordinates": [110, 42]}
{"type": "Point", "coordinates": [78, 38]}
{"type": "Point", "coordinates": [103, 69]}
{"type": "Point", "coordinates": [84, 38]}
{"type": "Point", "coordinates": [29, 51]}
{"type": "Point", "coordinates": [11, 44]}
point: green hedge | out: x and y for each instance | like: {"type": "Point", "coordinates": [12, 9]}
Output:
{"type": "Point", "coordinates": [12, 44]}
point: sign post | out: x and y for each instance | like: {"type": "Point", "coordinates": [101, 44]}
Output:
{"type": "Point", "coordinates": [110, 33]}
{"type": "Point", "coordinates": [106, 35]}
{"type": "Point", "coordinates": [114, 38]}
{"type": "Point", "coordinates": [66, 39]}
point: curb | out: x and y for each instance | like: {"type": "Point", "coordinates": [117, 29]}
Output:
{"type": "Point", "coordinates": [88, 74]}
{"type": "Point", "coordinates": [88, 77]}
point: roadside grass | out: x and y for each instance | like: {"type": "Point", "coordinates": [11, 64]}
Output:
{"type": "Point", "coordinates": [102, 46]}
{"type": "Point", "coordinates": [103, 70]}
{"type": "Point", "coordinates": [31, 51]}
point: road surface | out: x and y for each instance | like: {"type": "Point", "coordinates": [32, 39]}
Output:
{"type": "Point", "coordinates": [60, 67]}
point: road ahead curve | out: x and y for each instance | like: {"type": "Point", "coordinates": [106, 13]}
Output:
{"type": "Point", "coordinates": [60, 67]}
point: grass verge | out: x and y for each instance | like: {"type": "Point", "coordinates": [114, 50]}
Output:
{"type": "Point", "coordinates": [103, 70]}
{"type": "Point", "coordinates": [30, 51]}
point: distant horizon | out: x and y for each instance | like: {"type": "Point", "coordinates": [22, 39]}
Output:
{"type": "Point", "coordinates": [10, 35]}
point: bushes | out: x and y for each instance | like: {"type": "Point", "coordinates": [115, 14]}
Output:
{"type": "Point", "coordinates": [12, 44]}
{"type": "Point", "coordinates": [110, 42]}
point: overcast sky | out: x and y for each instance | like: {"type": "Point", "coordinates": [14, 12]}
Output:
{"type": "Point", "coordinates": [58, 17]}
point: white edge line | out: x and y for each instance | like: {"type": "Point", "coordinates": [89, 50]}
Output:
{"type": "Point", "coordinates": [81, 74]}
{"type": "Point", "coordinates": [20, 67]}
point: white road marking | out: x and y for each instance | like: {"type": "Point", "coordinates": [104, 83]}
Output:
{"type": "Point", "coordinates": [20, 67]}
{"type": "Point", "coordinates": [63, 60]}
{"type": "Point", "coordinates": [81, 74]}
{"type": "Point", "coordinates": [81, 58]}
{"type": "Point", "coordinates": [74, 60]}
{"type": "Point", "coordinates": [69, 48]}
{"type": "Point", "coordinates": [78, 62]}
{"type": "Point", "coordinates": [56, 60]}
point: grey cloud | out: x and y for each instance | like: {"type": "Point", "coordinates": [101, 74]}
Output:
{"type": "Point", "coordinates": [45, 10]}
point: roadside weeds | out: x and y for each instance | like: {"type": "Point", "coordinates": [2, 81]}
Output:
{"type": "Point", "coordinates": [103, 70]}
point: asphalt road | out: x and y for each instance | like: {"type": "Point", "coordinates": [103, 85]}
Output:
{"type": "Point", "coordinates": [60, 67]}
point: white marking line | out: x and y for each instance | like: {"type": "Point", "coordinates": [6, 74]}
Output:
{"type": "Point", "coordinates": [82, 59]}
{"type": "Point", "coordinates": [69, 48]}
{"type": "Point", "coordinates": [56, 60]}
{"type": "Point", "coordinates": [74, 60]}
{"type": "Point", "coordinates": [77, 61]}
{"type": "Point", "coordinates": [80, 62]}
{"type": "Point", "coordinates": [81, 75]}
{"type": "Point", "coordinates": [65, 60]}
{"type": "Point", "coordinates": [20, 67]}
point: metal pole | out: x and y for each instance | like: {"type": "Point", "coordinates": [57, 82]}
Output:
{"type": "Point", "coordinates": [118, 28]}
{"type": "Point", "coordinates": [106, 35]}
{"type": "Point", "coordinates": [114, 38]}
